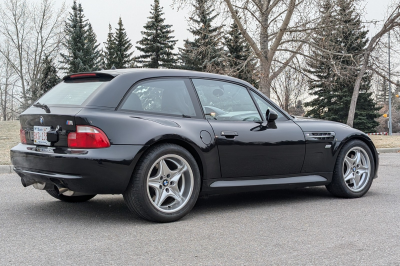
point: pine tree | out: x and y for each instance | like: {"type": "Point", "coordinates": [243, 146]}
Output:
{"type": "Point", "coordinates": [205, 52]}
{"type": "Point", "coordinates": [334, 74]}
{"type": "Point", "coordinates": [82, 51]}
{"type": "Point", "coordinates": [157, 44]}
{"type": "Point", "coordinates": [109, 50]}
{"type": "Point", "coordinates": [48, 77]}
{"type": "Point", "coordinates": [122, 47]}
{"type": "Point", "coordinates": [239, 57]}
{"type": "Point", "coordinates": [92, 51]}
{"type": "Point", "coordinates": [187, 57]}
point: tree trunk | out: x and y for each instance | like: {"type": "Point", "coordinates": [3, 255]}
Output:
{"type": "Point", "coordinates": [287, 98]}
{"type": "Point", "coordinates": [265, 82]}
{"type": "Point", "coordinates": [356, 91]}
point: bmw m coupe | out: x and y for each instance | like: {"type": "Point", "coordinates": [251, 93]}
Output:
{"type": "Point", "coordinates": [162, 137]}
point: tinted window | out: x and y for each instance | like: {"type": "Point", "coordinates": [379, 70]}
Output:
{"type": "Point", "coordinates": [167, 96]}
{"type": "Point", "coordinates": [264, 105]}
{"type": "Point", "coordinates": [70, 93]}
{"type": "Point", "coordinates": [225, 101]}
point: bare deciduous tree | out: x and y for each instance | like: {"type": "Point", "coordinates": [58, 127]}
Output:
{"type": "Point", "coordinates": [367, 62]}
{"type": "Point", "coordinates": [289, 87]}
{"type": "Point", "coordinates": [7, 85]}
{"type": "Point", "coordinates": [272, 28]}
{"type": "Point", "coordinates": [32, 30]}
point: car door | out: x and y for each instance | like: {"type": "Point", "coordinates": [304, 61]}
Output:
{"type": "Point", "coordinates": [247, 148]}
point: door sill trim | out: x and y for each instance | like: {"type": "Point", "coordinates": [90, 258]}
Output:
{"type": "Point", "coordinates": [270, 181]}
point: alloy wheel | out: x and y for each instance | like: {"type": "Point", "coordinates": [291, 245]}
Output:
{"type": "Point", "coordinates": [170, 183]}
{"type": "Point", "coordinates": [356, 169]}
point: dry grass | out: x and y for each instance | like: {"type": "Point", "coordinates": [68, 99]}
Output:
{"type": "Point", "coordinates": [382, 141]}
{"type": "Point", "coordinates": [9, 137]}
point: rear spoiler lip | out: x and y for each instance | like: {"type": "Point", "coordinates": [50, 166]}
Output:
{"type": "Point", "coordinates": [97, 75]}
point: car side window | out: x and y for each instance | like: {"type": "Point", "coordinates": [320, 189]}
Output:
{"type": "Point", "coordinates": [264, 105]}
{"type": "Point", "coordinates": [225, 101]}
{"type": "Point", "coordinates": [165, 96]}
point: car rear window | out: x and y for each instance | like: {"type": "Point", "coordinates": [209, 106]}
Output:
{"type": "Point", "coordinates": [71, 92]}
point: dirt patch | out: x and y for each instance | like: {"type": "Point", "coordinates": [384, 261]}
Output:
{"type": "Point", "coordinates": [9, 137]}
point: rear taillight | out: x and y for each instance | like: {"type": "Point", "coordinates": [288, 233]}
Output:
{"type": "Point", "coordinates": [22, 136]}
{"type": "Point", "coordinates": [87, 137]}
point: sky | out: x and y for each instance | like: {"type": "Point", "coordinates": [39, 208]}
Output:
{"type": "Point", "coordinates": [134, 15]}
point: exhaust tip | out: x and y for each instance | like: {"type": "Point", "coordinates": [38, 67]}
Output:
{"type": "Point", "coordinates": [43, 186]}
{"type": "Point", "coordinates": [65, 191]}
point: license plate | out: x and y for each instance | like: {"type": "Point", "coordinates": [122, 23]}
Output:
{"type": "Point", "coordinates": [40, 135]}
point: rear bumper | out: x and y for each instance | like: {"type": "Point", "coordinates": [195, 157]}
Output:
{"type": "Point", "coordinates": [91, 171]}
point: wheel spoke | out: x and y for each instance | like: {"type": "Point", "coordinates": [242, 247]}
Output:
{"type": "Point", "coordinates": [154, 184]}
{"type": "Point", "coordinates": [357, 157]}
{"type": "Point", "coordinates": [164, 169]}
{"type": "Point", "coordinates": [356, 180]}
{"type": "Point", "coordinates": [160, 200]}
{"type": "Point", "coordinates": [364, 168]}
{"type": "Point", "coordinates": [348, 176]}
{"type": "Point", "coordinates": [175, 193]}
{"type": "Point", "coordinates": [349, 161]}
{"type": "Point", "coordinates": [178, 174]}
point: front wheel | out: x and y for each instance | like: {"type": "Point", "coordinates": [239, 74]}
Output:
{"type": "Point", "coordinates": [165, 184]}
{"type": "Point", "coordinates": [354, 169]}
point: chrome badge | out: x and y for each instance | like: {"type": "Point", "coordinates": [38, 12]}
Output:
{"type": "Point", "coordinates": [41, 119]}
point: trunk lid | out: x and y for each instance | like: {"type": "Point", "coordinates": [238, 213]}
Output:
{"type": "Point", "coordinates": [60, 118]}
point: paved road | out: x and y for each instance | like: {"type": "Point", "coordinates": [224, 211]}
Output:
{"type": "Point", "coordinates": [289, 227]}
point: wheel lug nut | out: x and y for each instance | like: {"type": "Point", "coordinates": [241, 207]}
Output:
{"type": "Point", "coordinates": [167, 189]}
{"type": "Point", "coordinates": [168, 175]}
{"type": "Point", "coordinates": [172, 183]}
{"type": "Point", "coordinates": [160, 187]}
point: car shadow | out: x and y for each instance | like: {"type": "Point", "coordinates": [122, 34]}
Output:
{"type": "Point", "coordinates": [112, 209]}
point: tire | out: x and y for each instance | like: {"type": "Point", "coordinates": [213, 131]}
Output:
{"type": "Point", "coordinates": [83, 198]}
{"type": "Point", "coordinates": [165, 184]}
{"type": "Point", "coordinates": [353, 172]}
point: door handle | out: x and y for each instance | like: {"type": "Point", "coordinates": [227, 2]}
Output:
{"type": "Point", "coordinates": [229, 134]}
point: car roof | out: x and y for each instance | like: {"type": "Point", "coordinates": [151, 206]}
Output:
{"type": "Point", "coordinates": [154, 72]}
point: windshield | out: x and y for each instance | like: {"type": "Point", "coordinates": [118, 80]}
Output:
{"type": "Point", "coordinates": [70, 93]}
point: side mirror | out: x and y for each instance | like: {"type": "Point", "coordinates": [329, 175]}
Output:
{"type": "Point", "coordinates": [271, 115]}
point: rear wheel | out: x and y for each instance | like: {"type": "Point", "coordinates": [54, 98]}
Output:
{"type": "Point", "coordinates": [54, 193]}
{"type": "Point", "coordinates": [165, 184]}
{"type": "Point", "coordinates": [353, 171]}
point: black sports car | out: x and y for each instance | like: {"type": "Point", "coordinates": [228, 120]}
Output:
{"type": "Point", "coordinates": [161, 137]}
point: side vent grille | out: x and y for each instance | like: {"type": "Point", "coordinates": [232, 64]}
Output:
{"type": "Point", "coordinates": [320, 136]}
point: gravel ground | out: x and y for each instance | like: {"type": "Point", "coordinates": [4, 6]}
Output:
{"type": "Point", "coordinates": [287, 227]}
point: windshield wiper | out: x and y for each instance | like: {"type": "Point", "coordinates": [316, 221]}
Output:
{"type": "Point", "coordinates": [43, 106]}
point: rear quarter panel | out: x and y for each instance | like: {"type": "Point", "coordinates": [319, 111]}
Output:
{"type": "Point", "coordinates": [129, 128]}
